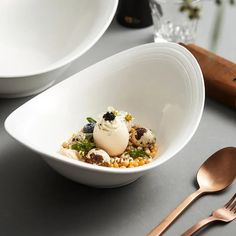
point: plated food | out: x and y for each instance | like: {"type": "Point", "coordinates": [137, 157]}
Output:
{"type": "Point", "coordinates": [56, 113]}
{"type": "Point", "coordinates": [112, 140]}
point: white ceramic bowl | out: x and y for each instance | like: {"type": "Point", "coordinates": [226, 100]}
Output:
{"type": "Point", "coordinates": [38, 39]}
{"type": "Point", "coordinates": [160, 84]}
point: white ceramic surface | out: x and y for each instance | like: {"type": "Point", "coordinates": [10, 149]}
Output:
{"type": "Point", "coordinates": [38, 39]}
{"type": "Point", "coordinates": [160, 84]}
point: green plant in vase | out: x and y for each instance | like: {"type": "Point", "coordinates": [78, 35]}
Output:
{"type": "Point", "coordinates": [194, 13]}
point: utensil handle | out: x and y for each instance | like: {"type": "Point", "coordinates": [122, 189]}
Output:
{"type": "Point", "coordinates": [198, 226]}
{"type": "Point", "coordinates": [158, 230]}
{"type": "Point", "coordinates": [219, 75]}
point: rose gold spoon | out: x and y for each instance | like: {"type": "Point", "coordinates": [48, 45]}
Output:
{"type": "Point", "coordinates": [215, 174]}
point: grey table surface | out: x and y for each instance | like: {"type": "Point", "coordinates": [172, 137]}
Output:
{"type": "Point", "coordinates": [35, 200]}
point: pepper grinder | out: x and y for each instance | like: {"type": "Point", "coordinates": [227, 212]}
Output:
{"type": "Point", "coordinates": [134, 13]}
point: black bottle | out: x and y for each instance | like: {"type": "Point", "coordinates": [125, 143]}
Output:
{"type": "Point", "coordinates": [134, 13]}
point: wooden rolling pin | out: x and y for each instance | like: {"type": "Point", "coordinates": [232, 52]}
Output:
{"type": "Point", "coordinates": [219, 75]}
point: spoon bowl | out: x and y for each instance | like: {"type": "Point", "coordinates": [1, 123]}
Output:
{"type": "Point", "coordinates": [218, 171]}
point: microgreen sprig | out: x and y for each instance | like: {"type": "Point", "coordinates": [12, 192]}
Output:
{"type": "Point", "coordinates": [138, 153]}
{"type": "Point", "coordinates": [83, 146]}
{"type": "Point", "coordinates": [91, 120]}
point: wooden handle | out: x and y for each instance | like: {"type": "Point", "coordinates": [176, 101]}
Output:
{"type": "Point", "coordinates": [163, 226]}
{"type": "Point", "coordinates": [219, 75]}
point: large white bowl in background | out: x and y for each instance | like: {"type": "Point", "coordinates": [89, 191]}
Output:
{"type": "Point", "coordinates": [39, 38]}
{"type": "Point", "coordinates": [160, 84]}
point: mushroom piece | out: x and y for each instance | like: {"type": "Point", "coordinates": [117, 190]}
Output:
{"type": "Point", "coordinates": [97, 156]}
{"type": "Point", "coordinates": [143, 137]}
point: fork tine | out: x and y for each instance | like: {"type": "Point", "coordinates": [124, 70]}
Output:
{"type": "Point", "coordinates": [230, 201]}
{"type": "Point", "coordinates": [232, 206]}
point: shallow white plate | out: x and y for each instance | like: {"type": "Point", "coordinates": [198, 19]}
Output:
{"type": "Point", "coordinates": [39, 38]}
{"type": "Point", "coordinates": [160, 84]}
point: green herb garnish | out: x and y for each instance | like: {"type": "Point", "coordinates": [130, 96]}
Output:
{"type": "Point", "coordinates": [91, 120]}
{"type": "Point", "coordinates": [83, 146]}
{"type": "Point", "coordinates": [89, 137]}
{"type": "Point", "coordinates": [138, 153]}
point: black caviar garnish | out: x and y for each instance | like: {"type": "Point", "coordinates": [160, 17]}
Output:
{"type": "Point", "coordinates": [109, 116]}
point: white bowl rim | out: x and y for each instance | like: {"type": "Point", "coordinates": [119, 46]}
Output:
{"type": "Point", "coordinates": [96, 168]}
{"type": "Point", "coordinates": [69, 59]}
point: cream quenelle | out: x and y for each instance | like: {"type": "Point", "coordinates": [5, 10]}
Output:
{"type": "Point", "coordinates": [111, 134]}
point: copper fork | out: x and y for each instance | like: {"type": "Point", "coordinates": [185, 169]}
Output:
{"type": "Point", "coordinates": [225, 214]}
